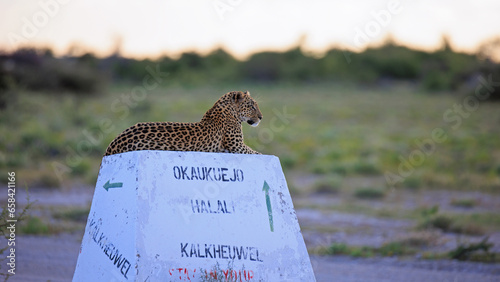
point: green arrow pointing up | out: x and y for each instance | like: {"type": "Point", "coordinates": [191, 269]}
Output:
{"type": "Point", "coordinates": [268, 203]}
{"type": "Point", "coordinates": [112, 185]}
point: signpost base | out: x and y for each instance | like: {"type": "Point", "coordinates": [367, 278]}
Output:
{"type": "Point", "coordinates": [191, 216]}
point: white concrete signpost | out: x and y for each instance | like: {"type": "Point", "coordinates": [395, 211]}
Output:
{"type": "Point", "coordinates": [191, 216]}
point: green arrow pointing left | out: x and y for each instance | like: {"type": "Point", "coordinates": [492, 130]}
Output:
{"type": "Point", "coordinates": [112, 185]}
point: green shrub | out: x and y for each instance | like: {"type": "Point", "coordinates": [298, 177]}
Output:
{"type": "Point", "coordinates": [35, 226]}
{"type": "Point", "coordinates": [369, 193]}
{"type": "Point", "coordinates": [464, 203]}
{"type": "Point", "coordinates": [338, 249]}
{"type": "Point", "coordinates": [318, 168]}
{"type": "Point", "coordinates": [39, 70]}
{"type": "Point", "coordinates": [442, 222]}
{"type": "Point", "coordinates": [465, 251]}
{"type": "Point", "coordinates": [430, 218]}
{"type": "Point", "coordinates": [436, 81]}
{"type": "Point", "coordinates": [81, 168]}
{"type": "Point", "coordinates": [339, 169]}
{"type": "Point", "coordinates": [395, 249]}
{"type": "Point", "coordinates": [413, 183]}
{"type": "Point", "coordinates": [364, 252]}
{"type": "Point", "coordinates": [328, 185]}
{"type": "Point", "coordinates": [76, 214]}
{"type": "Point", "coordinates": [427, 215]}
{"type": "Point", "coordinates": [365, 168]}
{"type": "Point", "coordinates": [48, 180]}
{"type": "Point", "coordinates": [388, 249]}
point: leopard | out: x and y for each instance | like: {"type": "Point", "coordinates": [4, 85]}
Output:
{"type": "Point", "coordinates": [219, 130]}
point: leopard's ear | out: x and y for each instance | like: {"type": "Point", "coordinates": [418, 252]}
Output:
{"type": "Point", "coordinates": [238, 96]}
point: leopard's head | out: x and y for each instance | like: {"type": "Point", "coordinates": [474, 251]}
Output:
{"type": "Point", "coordinates": [247, 108]}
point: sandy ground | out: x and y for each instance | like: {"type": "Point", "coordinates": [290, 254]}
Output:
{"type": "Point", "coordinates": [53, 258]}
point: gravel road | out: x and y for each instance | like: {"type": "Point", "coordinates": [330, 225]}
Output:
{"type": "Point", "coordinates": [41, 258]}
{"type": "Point", "coordinates": [392, 269]}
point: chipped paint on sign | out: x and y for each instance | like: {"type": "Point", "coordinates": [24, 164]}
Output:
{"type": "Point", "coordinates": [188, 215]}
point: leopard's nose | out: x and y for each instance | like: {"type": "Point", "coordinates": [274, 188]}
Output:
{"type": "Point", "coordinates": [260, 117]}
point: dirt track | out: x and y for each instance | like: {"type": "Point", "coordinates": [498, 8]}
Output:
{"type": "Point", "coordinates": [53, 258]}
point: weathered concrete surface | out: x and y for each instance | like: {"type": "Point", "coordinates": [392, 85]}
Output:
{"type": "Point", "coordinates": [180, 215]}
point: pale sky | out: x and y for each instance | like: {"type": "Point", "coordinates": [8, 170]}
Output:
{"type": "Point", "coordinates": [149, 28]}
